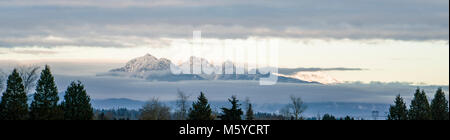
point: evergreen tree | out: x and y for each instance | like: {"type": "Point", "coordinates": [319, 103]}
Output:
{"type": "Point", "coordinates": [234, 113]}
{"type": "Point", "coordinates": [399, 110]}
{"type": "Point", "coordinates": [45, 103]}
{"type": "Point", "coordinates": [348, 118]}
{"type": "Point", "coordinates": [420, 108]}
{"type": "Point", "coordinates": [249, 113]}
{"type": "Point", "coordinates": [328, 117]}
{"type": "Point", "coordinates": [14, 105]}
{"type": "Point", "coordinates": [201, 110]}
{"type": "Point", "coordinates": [76, 104]}
{"type": "Point", "coordinates": [439, 106]}
{"type": "Point", "coordinates": [101, 116]}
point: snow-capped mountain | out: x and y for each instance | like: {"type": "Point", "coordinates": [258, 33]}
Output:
{"type": "Point", "coordinates": [151, 68]}
{"type": "Point", "coordinates": [144, 64]}
{"type": "Point", "coordinates": [202, 65]}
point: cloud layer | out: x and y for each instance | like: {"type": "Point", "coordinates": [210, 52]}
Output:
{"type": "Point", "coordinates": [100, 88]}
{"type": "Point", "coordinates": [288, 71]}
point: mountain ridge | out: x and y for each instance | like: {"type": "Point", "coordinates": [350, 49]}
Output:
{"type": "Point", "coordinates": [153, 69]}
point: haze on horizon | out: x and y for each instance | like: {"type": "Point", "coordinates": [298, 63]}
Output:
{"type": "Point", "coordinates": [401, 40]}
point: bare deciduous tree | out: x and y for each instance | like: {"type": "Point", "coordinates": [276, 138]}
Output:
{"type": "Point", "coordinates": [247, 103]}
{"type": "Point", "coordinates": [155, 110]}
{"type": "Point", "coordinates": [2, 81]}
{"type": "Point", "coordinates": [285, 112]}
{"type": "Point", "coordinates": [29, 75]}
{"type": "Point", "coordinates": [297, 107]}
{"type": "Point", "coordinates": [182, 105]}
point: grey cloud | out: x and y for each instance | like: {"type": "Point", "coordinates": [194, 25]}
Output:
{"type": "Point", "coordinates": [115, 3]}
{"type": "Point", "coordinates": [84, 40]}
{"type": "Point", "coordinates": [67, 68]}
{"type": "Point", "coordinates": [181, 3]}
{"type": "Point", "coordinates": [97, 23]}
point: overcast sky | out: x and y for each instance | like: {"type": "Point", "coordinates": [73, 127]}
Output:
{"type": "Point", "coordinates": [31, 22]}
{"type": "Point", "coordinates": [394, 40]}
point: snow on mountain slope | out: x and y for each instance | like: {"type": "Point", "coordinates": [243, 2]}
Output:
{"type": "Point", "coordinates": [196, 68]}
{"type": "Point", "coordinates": [197, 65]}
{"type": "Point", "coordinates": [144, 64]}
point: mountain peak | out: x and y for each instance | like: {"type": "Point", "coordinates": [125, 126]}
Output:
{"type": "Point", "coordinates": [148, 55]}
{"type": "Point", "coordinates": [152, 68]}
{"type": "Point", "coordinates": [145, 63]}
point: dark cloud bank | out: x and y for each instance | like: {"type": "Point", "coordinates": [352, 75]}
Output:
{"type": "Point", "coordinates": [94, 24]}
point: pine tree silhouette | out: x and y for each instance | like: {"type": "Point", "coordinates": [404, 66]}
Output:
{"type": "Point", "coordinates": [13, 105]}
{"type": "Point", "coordinates": [76, 104]}
{"type": "Point", "coordinates": [399, 110]}
{"type": "Point", "coordinates": [45, 103]}
{"type": "Point", "coordinates": [234, 113]}
{"type": "Point", "coordinates": [439, 106]}
{"type": "Point", "coordinates": [420, 108]}
{"type": "Point", "coordinates": [201, 110]}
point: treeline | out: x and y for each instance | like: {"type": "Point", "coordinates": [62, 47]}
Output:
{"type": "Point", "coordinates": [76, 105]}
{"type": "Point", "coordinates": [116, 114]}
{"type": "Point", "coordinates": [201, 110]}
{"type": "Point", "coordinates": [420, 108]}
{"type": "Point", "coordinates": [44, 106]}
